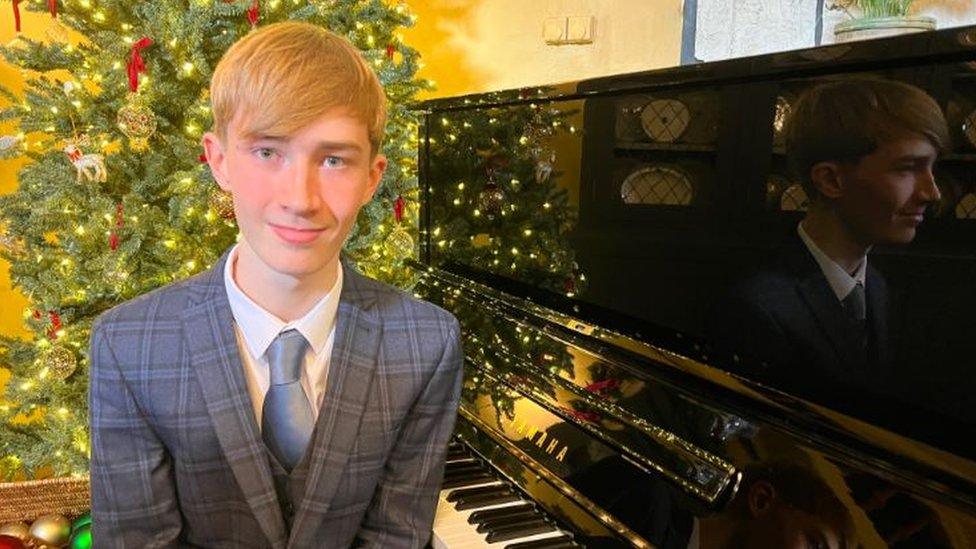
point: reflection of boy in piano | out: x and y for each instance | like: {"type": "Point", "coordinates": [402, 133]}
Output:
{"type": "Point", "coordinates": [781, 505]}
{"type": "Point", "coordinates": [864, 151]}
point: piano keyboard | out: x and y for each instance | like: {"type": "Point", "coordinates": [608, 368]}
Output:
{"type": "Point", "coordinates": [476, 508]}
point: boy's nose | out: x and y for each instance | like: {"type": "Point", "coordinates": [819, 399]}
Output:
{"type": "Point", "coordinates": [927, 189]}
{"type": "Point", "coordinates": [299, 192]}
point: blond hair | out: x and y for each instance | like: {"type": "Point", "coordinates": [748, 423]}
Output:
{"type": "Point", "coordinates": [844, 121]}
{"type": "Point", "coordinates": [286, 75]}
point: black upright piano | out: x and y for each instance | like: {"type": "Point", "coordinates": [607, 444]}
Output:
{"type": "Point", "coordinates": [586, 236]}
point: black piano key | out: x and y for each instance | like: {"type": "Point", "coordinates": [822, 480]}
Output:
{"type": "Point", "coordinates": [503, 522]}
{"type": "Point", "coordinates": [521, 530]}
{"type": "Point", "coordinates": [557, 542]}
{"type": "Point", "coordinates": [484, 501]}
{"type": "Point", "coordinates": [469, 492]}
{"type": "Point", "coordinates": [463, 468]}
{"type": "Point", "coordinates": [490, 514]}
{"type": "Point", "coordinates": [461, 482]}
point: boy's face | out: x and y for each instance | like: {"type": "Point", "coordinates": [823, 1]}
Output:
{"type": "Point", "coordinates": [297, 197]}
{"type": "Point", "coordinates": [884, 196]}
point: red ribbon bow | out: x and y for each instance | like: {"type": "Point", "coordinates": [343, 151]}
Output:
{"type": "Point", "coordinates": [52, 6]}
{"type": "Point", "coordinates": [254, 13]}
{"type": "Point", "coordinates": [136, 63]}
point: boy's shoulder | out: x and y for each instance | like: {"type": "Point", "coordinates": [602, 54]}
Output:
{"type": "Point", "coordinates": [393, 302]}
{"type": "Point", "coordinates": [164, 303]}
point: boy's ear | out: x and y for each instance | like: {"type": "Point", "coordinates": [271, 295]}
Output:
{"type": "Point", "coordinates": [828, 179]}
{"type": "Point", "coordinates": [376, 168]}
{"type": "Point", "coordinates": [216, 158]}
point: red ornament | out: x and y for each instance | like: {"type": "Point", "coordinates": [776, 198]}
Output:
{"type": "Point", "coordinates": [113, 241]}
{"type": "Point", "coordinates": [202, 158]}
{"type": "Point", "coordinates": [254, 13]}
{"type": "Point", "coordinates": [52, 332]}
{"type": "Point", "coordinates": [390, 50]}
{"type": "Point", "coordinates": [398, 208]}
{"type": "Point", "coordinates": [10, 542]}
{"type": "Point", "coordinates": [136, 64]}
{"type": "Point", "coordinates": [52, 6]}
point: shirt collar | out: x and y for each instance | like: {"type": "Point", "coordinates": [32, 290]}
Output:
{"type": "Point", "coordinates": [841, 282]}
{"type": "Point", "coordinates": [259, 327]}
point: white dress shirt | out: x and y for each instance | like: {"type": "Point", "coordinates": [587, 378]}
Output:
{"type": "Point", "coordinates": [256, 328]}
{"type": "Point", "coordinates": [841, 282]}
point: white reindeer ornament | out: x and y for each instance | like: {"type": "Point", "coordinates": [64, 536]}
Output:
{"type": "Point", "coordinates": [90, 166]}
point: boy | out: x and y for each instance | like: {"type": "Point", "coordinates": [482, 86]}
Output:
{"type": "Point", "coordinates": [278, 399]}
{"type": "Point", "coordinates": [864, 151]}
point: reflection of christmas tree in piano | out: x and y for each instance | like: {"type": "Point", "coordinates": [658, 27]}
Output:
{"type": "Point", "coordinates": [502, 209]}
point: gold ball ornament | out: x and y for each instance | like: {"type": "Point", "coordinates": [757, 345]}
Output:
{"type": "Point", "coordinates": [221, 203]}
{"type": "Point", "coordinates": [61, 362]}
{"type": "Point", "coordinates": [491, 200]}
{"type": "Point", "coordinates": [51, 530]}
{"type": "Point", "coordinates": [137, 121]}
{"type": "Point", "coordinates": [399, 243]}
{"type": "Point", "coordinates": [19, 530]}
{"type": "Point", "coordinates": [56, 32]}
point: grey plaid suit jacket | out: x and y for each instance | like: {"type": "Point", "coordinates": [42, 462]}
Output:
{"type": "Point", "coordinates": [177, 456]}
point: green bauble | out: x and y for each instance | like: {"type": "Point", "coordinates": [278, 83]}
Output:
{"type": "Point", "coordinates": [82, 538]}
{"type": "Point", "coordinates": [83, 520]}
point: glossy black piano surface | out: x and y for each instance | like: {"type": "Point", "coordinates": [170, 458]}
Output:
{"type": "Point", "coordinates": [588, 235]}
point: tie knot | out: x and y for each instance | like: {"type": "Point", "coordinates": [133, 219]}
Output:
{"type": "Point", "coordinates": [285, 356]}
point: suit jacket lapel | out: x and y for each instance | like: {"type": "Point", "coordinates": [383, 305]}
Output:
{"type": "Point", "coordinates": [215, 360]}
{"type": "Point", "coordinates": [827, 310]}
{"type": "Point", "coordinates": [876, 295]}
{"type": "Point", "coordinates": [351, 370]}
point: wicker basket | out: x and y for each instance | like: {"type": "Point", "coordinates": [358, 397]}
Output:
{"type": "Point", "coordinates": [31, 499]}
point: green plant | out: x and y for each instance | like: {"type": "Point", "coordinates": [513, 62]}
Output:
{"type": "Point", "coordinates": [873, 8]}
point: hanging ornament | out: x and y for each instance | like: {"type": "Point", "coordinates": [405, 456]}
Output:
{"type": "Point", "coordinates": [10, 542]}
{"type": "Point", "coordinates": [88, 166]}
{"type": "Point", "coordinates": [399, 243]}
{"type": "Point", "coordinates": [19, 530]}
{"type": "Point", "coordinates": [52, 332]}
{"type": "Point", "coordinates": [398, 205]}
{"type": "Point", "coordinates": [543, 168]}
{"type": "Point", "coordinates": [491, 199]}
{"type": "Point", "coordinates": [16, 4]}
{"type": "Point", "coordinates": [137, 121]}
{"type": "Point", "coordinates": [83, 520]}
{"type": "Point", "coordinates": [113, 237]}
{"type": "Point", "coordinates": [222, 203]}
{"type": "Point", "coordinates": [481, 240]}
{"type": "Point", "coordinates": [390, 50]}
{"type": "Point", "coordinates": [51, 530]}
{"type": "Point", "coordinates": [254, 14]}
{"type": "Point", "coordinates": [61, 362]}
{"type": "Point", "coordinates": [8, 142]}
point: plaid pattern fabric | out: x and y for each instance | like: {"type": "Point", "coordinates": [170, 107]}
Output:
{"type": "Point", "coordinates": [177, 456]}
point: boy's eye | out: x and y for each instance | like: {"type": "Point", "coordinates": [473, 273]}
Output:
{"type": "Point", "coordinates": [264, 153]}
{"type": "Point", "coordinates": [333, 162]}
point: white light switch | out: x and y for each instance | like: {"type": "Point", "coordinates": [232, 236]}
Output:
{"type": "Point", "coordinates": [579, 29]}
{"type": "Point", "coordinates": [554, 30]}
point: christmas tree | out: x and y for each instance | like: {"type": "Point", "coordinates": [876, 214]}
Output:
{"type": "Point", "coordinates": [115, 201]}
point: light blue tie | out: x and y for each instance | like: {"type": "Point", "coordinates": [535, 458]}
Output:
{"type": "Point", "coordinates": [287, 422]}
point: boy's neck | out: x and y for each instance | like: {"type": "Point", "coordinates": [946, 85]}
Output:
{"type": "Point", "coordinates": [287, 297]}
{"type": "Point", "coordinates": [834, 237]}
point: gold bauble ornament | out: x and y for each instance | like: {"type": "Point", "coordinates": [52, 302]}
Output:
{"type": "Point", "coordinates": [399, 243]}
{"type": "Point", "coordinates": [221, 203]}
{"type": "Point", "coordinates": [19, 530]}
{"type": "Point", "coordinates": [137, 121]}
{"type": "Point", "coordinates": [57, 32]}
{"type": "Point", "coordinates": [61, 362]}
{"type": "Point", "coordinates": [51, 530]}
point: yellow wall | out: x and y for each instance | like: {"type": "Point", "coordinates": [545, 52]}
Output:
{"type": "Point", "coordinates": [469, 47]}
{"type": "Point", "coordinates": [34, 25]}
